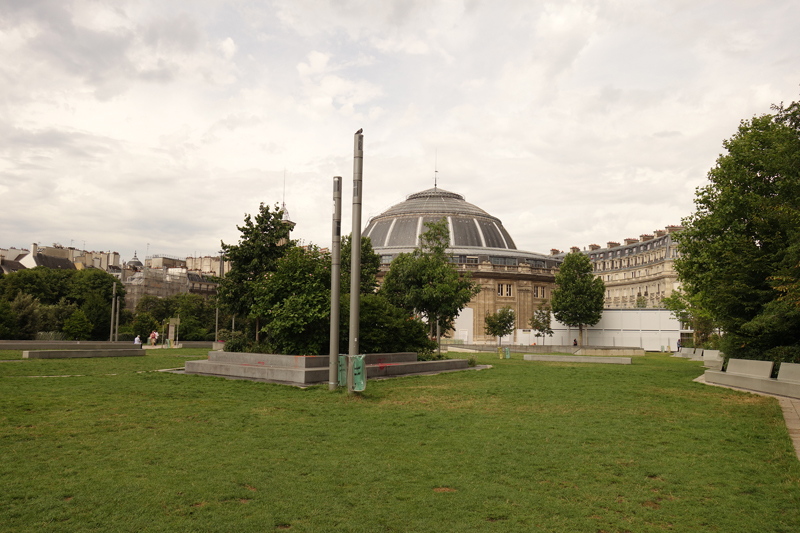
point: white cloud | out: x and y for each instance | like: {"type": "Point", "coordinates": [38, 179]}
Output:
{"type": "Point", "coordinates": [228, 48]}
{"type": "Point", "coordinates": [573, 122]}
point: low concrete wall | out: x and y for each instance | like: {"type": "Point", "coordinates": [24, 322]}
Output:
{"type": "Point", "coordinates": [63, 345]}
{"type": "Point", "coordinates": [579, 359]}
{"type": "Point", "coordinates": [70, 354]}
{"type": "Point", "coordinates": [610, 351]}
{"type": "Point", "coordinates": [566, 349]}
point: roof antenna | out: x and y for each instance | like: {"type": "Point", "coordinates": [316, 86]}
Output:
{"type": "Point", "coordinates": [435, 168]}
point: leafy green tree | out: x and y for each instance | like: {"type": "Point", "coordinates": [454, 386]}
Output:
{"type": "Point", "coordinates": [745, 237]}
{"type": "Point", "coordinates": [687, 310]}
{"type": "Point", "coordinates": [541, 321]}
{"type": "Point", "coordinates": [384, 328]}
{"type": "Point", "coordinates": [44, 284]}
{"type": "Point", "coordinates": [78, 327]}
{"type": "Point", "coordinates": [370, 265]}
{"type": "Point", "coordinates": [295, 302]}
{"type": "Point", "coordinates": [98, 311]}
{"type": "Point", "coordinates": [264, 240]}
{"type": "Point", "coordinates": [28, 314]}
{"type": "Point", "coordinates": [158, 308]}
{"type": "Point", "coordinates": [579, 296]}
{"type": "Point", "coordinates": [500, 324]}
{"type": "Point", "coordinates": [427, 283]}
{"type": "Point", "coordinates": [92, 281]}
{"type": "Point", "coordinates": [143, 325]}
{"type": "Point", "coordinates": [54, 316]}
{"type": "Point", "coordinates": [8, 321]}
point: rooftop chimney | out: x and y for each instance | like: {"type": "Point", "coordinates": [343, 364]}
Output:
{"type": "Point", "coordinates": [631, 241]}
{"type": "Point", "coordinates": [574, 249]}
{"type": "Point", "coordinates": [594, 247]}
{"type": "Point", "coordinates": [645, 237]}
{"type": "Point", "coordinates": [612, 244]}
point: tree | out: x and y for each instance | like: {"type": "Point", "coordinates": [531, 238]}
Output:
{"type": "Point", "coordinates": [54, 316]}
{"type": "Point", "coordinates": [578, 296]}
{"type": "Point", "coordinates": [27, 311]}
{"type": "Point", "coordinates": [143, 325]}
{"type": "Point", "coordinates": [159, 308]}
{"type": "Point", "coordinates": [98, 312]}
{"type": "Point", "coordinates": [541, 321]}
{"type": "Point", "coordinates": [500, 324]}
{"type": "Point", "coordinates": [743, 241]}
{"type": "Point", "coordinates": [8, 320]}
{"type": "Point", "coordinates": [687, 310]}
{"type": "Point", "coordinates": [426, 282]}
{"type": "Point", "coordinates": [264, 239]}
{"type": "Point", "coordinates": [370, 265]}
{"type": "Point", "coordinates": [384, 328]}
{"type": "Point", "coordinates": [78, 327]}
{"type": "Point", "coordinates": [295, 302]}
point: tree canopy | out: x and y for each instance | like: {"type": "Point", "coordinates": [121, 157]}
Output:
{"type": "Point", "coordinates": [541, 321]}
{"type": "Point", "coordinates": [41, 299]}
{"type": "Point", "coordinates": [426, 282]}
{"type": "Point", "coordinates": [500, 324]}
{"type": "Point", "coordinates": [263, 241]}
{"type": "Point", "coordinates": [370, 265]}
{"type": "Point", "coordinates": [579, 296]}
{"type": "Point", "coordinates": [743, 242]}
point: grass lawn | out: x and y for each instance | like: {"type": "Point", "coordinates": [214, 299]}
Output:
{"type": "Point", "coordinates": [524, 446]}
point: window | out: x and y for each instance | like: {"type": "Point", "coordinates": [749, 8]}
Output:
{"type": "Point", "coordinates": [504, 289]}
{"type": "Point", "coordinates": [385, 259]}
{"type": "Point", "coordinates": [536, 292]}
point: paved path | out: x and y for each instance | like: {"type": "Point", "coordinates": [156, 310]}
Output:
{"type": "Point", "coordinates": [790, 407]}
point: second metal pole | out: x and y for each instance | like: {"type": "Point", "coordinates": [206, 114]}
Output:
{"type": "Point", "coordinates": [336, 261]}
{"type": "Point", "coordinates": [355, 246]}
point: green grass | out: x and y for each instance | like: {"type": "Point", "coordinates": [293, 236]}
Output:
{"type": "Point", "coordinates": [524, 446]}
{"type": "Point", "coordinates": [10, 354]}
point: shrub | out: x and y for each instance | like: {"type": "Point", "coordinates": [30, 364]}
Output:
{"type": "Point", "coordinates": [236, 342]}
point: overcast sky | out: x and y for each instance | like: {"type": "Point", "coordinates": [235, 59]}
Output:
{"type": "Point", "coordinates": [125, 124]}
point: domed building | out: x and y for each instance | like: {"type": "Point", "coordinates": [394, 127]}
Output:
{"type": "Point", "coordinates": [480, 245]}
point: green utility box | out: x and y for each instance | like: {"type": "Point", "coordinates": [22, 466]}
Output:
{"type": "Point", "coordinates": [356, 373]}
{"type": "Point", "coordinates": [508, 352]}
{"type": "Point", "coordinates": [342, 370]}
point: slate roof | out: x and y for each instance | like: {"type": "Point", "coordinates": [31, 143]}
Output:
{"type": "Point", "coordinates": [8, 266]}
{"type": "Point", "coordinates": [57, 263]}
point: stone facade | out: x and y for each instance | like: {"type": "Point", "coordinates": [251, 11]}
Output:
{"type": "Point", "coordinates": [638, 273]}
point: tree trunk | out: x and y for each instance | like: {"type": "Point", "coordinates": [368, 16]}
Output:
{"type": "Point", "coordinates": [580, 335]}
{"type": "Point", "coordinates": [258, 328]}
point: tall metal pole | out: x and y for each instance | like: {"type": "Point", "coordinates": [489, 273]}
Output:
{"type": "Point", "coordinates": [355, 245]}
{"type": "Point", "coordinates": [116, 326]}
{"type": "Point", "coordinates": [113, 304]}
{"type": "Point", "coordinates": [336, 262]}
{"type": "Point", "coordinates": [221, 271]}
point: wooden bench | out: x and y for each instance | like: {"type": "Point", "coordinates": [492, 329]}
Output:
{"type": "Point", "coordinates": [755, 376]}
